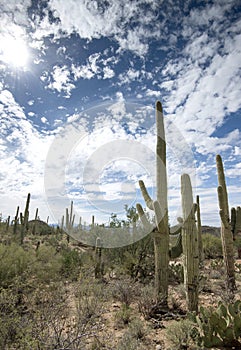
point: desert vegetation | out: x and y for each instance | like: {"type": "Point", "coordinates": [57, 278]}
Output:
{"type": "Point", "coordinates": [173, 288]}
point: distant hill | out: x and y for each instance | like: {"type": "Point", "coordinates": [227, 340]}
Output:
{"type": "Point", "coordinates": [41, 227]}
{"type": "Point", "coordinates": [211, 229]}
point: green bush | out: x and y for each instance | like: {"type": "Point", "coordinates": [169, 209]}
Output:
{"type": "Point", "coordinates": [48, 264]}
{"type": "Point", "coordinates": [14, 262]}
{"type": "Point", "coordinates": [180, 334]}
{"type": "Point", "coordinates": [212, 246]}
{"type": "Point", "coordinates": [71, 263]}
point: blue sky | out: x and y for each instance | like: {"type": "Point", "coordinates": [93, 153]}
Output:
{"type": "Point", "coordinates": [78, 85]}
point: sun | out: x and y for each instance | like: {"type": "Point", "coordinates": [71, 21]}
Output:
{"type": "Point", "coordinates": [14, 51]}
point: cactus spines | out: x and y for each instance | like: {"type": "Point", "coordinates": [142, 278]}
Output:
{"type": "Point", "coordinates": [190, 244]}
{"type": "Point", "coordinates": [226, 231]}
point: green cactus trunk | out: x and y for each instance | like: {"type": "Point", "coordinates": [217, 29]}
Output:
{"type": "Point", "coordinates": [24, 221]}
{"type": "Point", "coordinates": [190, 244]}
{"type": "Point", "coordinates": [161, 233]}
{"type": "Point", "coordinates": [15, 221]}
{"type": "Point", "coordinates": [99, 265]}
{"type": "Point", "coordinates": [226, 229]}
{"type": "Point", "coordinates": [199, 232]}
{"type": "Point", "coordinates": [34, 225]}
{"type": "Point", "coordinates": [161, 239]}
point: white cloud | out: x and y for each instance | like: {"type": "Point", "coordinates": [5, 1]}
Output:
{"type": "Point", "coordinates": [44, 120]}
{"type": "Point", "coordinates": [108, 73]}
{"type": "Point", "coordinates": [60, 80]}
{"type": "Point", "coordinates": [23, 153]}
{"type": "Point", "coordinates": [91, 20]}
{"type": "Point", "coordinates": [154, 93]}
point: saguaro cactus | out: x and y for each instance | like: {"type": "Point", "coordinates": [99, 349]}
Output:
{"type": "Point", "coordinates": [24, 221]}
{"type": "Point", "coordinates": [236, 226]}
{"type": "Point", "coordinates": [99, 265]}
{"type": "Point", "coordinates": [161, 234]}
{"type": "Point", "coordinates": [226, 231]}
{"type": "Point", "coordinates": [190, 244]}
{"type": "Point", "coordinates": [15, 221]}
{"type": "Point", "coordinates": [236, 220]}
{"type": "Point", "coordinates": [199, 231]}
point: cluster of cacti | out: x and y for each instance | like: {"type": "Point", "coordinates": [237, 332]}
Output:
{"type": "Point", "coordinates": [161, 231]}
{"type": "Point", "coordinates": [220, 326]}
{"type": "Point", "coordinates": [68, 225]}
{"type": "Point", "coordinates": [226, 229]}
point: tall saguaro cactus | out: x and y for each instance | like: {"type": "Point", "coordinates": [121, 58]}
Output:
{"type": "Point", "coordinates": [226, 231]}
{"type": "Point", "coordinates": [24, 221]}
{"type": "Point", "coordinates": [199, 231]}
{"type": "Point", "coordinates": [190, 244]}
{"type": "Point", "coordinates": [161, 234]}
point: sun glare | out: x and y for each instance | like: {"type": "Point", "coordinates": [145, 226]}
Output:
{"type": "Point", "coordinates": [14, 52]}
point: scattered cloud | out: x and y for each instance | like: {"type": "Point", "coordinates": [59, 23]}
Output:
{"type": "Point", "coordinates": [60, 80]}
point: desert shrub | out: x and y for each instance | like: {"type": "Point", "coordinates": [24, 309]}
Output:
{"type": "Point", "coordinates": [212, 246]}
{"type": "Point", "coordinates": [137, 329]}
{"type": "Point", "coordinates": [127, 342]}
{"type": "Point", "coordinates": [124, 290]}
{"type": "Point", "coordinates": [10, 323]}
{"type": "Point", "coordinates": [90, 296]}
{"type": "Point", "coordinates": [71, 263]}
{"type": "Point", "coordinates": [123, 316]}
{"type": "Point", "coordinates": [14, 261]}
{"type": "Point", "coordinates": [180, 334]}
{"type": "Point", "coordinates": [135, 260]}
{"type": "Point", "coordinates": [48, 264]}
{"type": "Point", "coordinates": [146, 301]}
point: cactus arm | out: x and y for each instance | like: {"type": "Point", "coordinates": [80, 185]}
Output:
{"type": "Point", "coordinates": [147, 226]}
{"type": "Point", "coordinates": [158, 217]}
{"type": "Point", "coordinates": [222, 182]}
{"type": "Point", "coordinates": [174, 230]}
{"type": "Point", "coordinates": [145, 194]}
{"type": "Point", "coordinates": [176, 250]}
